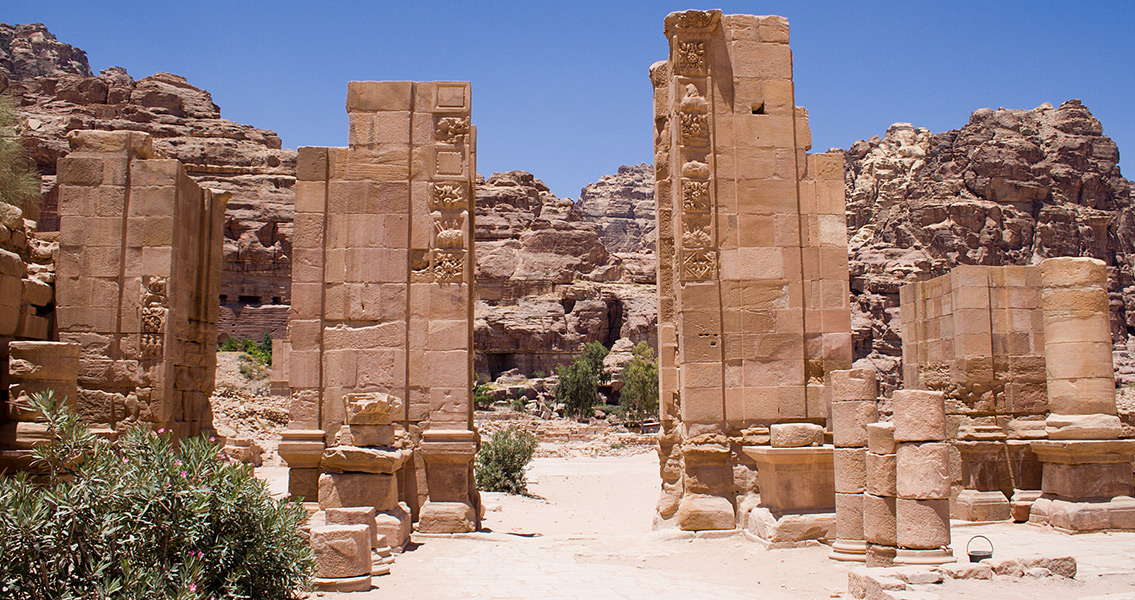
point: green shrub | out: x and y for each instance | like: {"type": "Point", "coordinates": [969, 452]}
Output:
{"type": "Point", "coordinates": [261, 352]}
{"type": "Point", "coordinates": [482, 398]}
{"type": "Point", "coordinates": [501, 461]}
{"type": "Point", "coordinates": [639, 395]}
{"type": "Point", "coordinates": [578, 385]}
{"type": "Point", "coordinates": [19, 179]}
{"type": "Point", "coordinates": [144, 518]}
{"type": "Point", "coordinates": [538, 374]}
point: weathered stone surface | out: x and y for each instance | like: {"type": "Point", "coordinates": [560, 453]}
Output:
{"type": "Point", "coordinates": [796, 435]}
{"type": "Point", "coordinates": [923, 471]}
{"type": "Point", "coordinates": [922, 524]}
{"type": "Point", "coordinates": [358, 489]}
{"type": "Point", "coordinates": [341, 550]}
{"type": "Point", "coordinates": [447, 517]}
{"type": "Point", "coordinates": [919, 415]}
{"type": "Point", "coordinates": [354, 515]}
{"type": "Point", "coordinates": [362, 460]}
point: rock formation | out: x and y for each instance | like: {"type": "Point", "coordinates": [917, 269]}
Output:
{"type": "Point", "coordinates": [546, 282]}
{"type": "Point", "coordinates": [56, 93]}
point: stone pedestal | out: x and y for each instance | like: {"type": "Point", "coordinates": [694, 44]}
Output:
{"type": "Point", "coordinates": [34, 367]}
{"type": "Point", "coordinates": [453, 505]}
{"type": "Point", "coordinates": [1081, 480]}
{"type": "Point", "coordinates": [708, 475]}
{"type": "Point", "coordinates": [797, 486]}
{"type": "Point", "coordinates": [983, 466]}
{"type": "Point", "coordinates": [302, 449]}
{"type": "Point", "coordinates": [342, 557]}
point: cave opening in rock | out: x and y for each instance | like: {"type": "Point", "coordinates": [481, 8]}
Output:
{"type": "Point", "coordinates": [499, 363]}
{"type": "Point", "coordinates": [614, 322]}
{"type": "Point", "coordinates": [568, 304]}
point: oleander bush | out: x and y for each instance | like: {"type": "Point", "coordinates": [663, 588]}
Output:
{"type": "Point", "coordinates": [501, 461]}
{"type": "Point", "coordinates": [144, 518]}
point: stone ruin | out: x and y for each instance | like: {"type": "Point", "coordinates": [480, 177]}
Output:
{"type": "Point", "coordinates": [752, 275]}
{"type": "Point", "coordinates": [379, 351]}
{"type": "Point", "coordinates": [135, 299]}
{"type": "Point", "coordinates": [1008, 411]}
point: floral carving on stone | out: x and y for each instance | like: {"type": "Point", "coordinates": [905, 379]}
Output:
{"type": "Point", "coordinates": [690, 58]}
{"type": "Point", "coordinates": [695, 196]}
{"type": "Point", "coordinates": [155, 310]}
{"type": "Point", "coordinates": [452, 130]}
{"type": "Point", "coordinates": [449, 266]}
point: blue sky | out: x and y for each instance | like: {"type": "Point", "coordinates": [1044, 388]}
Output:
{"type": "Point", "coordinates": [561, 89]}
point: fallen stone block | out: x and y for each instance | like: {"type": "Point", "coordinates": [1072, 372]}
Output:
{"type": "Point", "coordinates": [966, 570]}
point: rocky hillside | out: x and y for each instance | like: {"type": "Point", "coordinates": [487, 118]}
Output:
{"type": "Point", "coordinates": [546, 282]}
{"type": "Point", "coordinates": [56, 92]}
{"type": "Point", "coordinates": [1009, 187]}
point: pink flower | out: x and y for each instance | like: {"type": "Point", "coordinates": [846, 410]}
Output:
{"type": "Point", "coordinates": [177, 462]}
{"type": "Point", "coordinates": [193, 587]}
{"type": "Point", "coordinates": [162, 430]}
{"type": "Point", "coordinates": [184, 474]}
{"type": "Point", "coordinates": [212, 438]}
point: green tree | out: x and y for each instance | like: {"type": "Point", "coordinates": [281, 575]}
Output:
{"type": "Point", "coordinates": [578, 385]}
{"type": "Point", "coordinates": [639, 395]}
{"type": "Point", "coordinates": [19, 181]}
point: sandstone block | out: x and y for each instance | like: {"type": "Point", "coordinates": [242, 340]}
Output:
{"type": "Point", "coordinates": [796, 435]}
{"type": "Point", "coordinates": [922, 524]}
{"type": "Point", "coordinates": [1083, 427]}
{"type": "Point", "coordinates": [1072, 272]}
{"type": "Point", "coordinates": [882, 472]}
{"type": "Point", "coordinates": [395, 524]}
{"type": "Point", "coordinates": [881, 437]}
{"type": "Point", "coordinates": [705, 512]}
{"type": "Point", "coordinates": [446, 517]}
{"type": "Point", "coordinates": [362, 460]}
{"type": "Point", "coordinates": [371, 96]}
{"type": "Point", "coordinates": [341, 550]}
{"type": "Point", "coordinates": [358, 489]}
{"type": "Point", "coordinates": [853, 384]}
{"type": "Point", "coordinates": [849, 516]}
{"type": "Point", "coordinates": [923, 471]}
{"type": "Point", "coordinates": [966, 570]}
{"type": "Point", "coordinates": [879, 520]}
{"type": "Point", "coordinates": [850, 420]}
{"type": "Point", "coordinates": [850, 466]}
{"type": "Point", "coordinates": [919, 415]}
{"type": "Point", "coordinates": [972, 505]}
{"type": "Point", "coordinates": [372, 408]}
{"type": "Point", "coordinates": [366, 435]}
{"type": "Point", "coordinates": [354, 515]}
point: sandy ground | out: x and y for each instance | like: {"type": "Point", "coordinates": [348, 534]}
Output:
{"type": "Point", "coordinates": [586, 533]}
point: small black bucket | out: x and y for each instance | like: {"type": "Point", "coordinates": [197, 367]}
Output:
{"type": "Point", "coordinates": [979, 555]}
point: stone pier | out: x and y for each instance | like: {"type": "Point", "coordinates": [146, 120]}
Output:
{"type": "Point", "coordinates": [922, 478]}
{"type": "Point", "coordinates": [382, 299]}
{"type": "Point", "coordinates": [752, 269]}
{"type": "Point", "coordinates": [1086, 466]}
{"type": "Point", "coordinates": [138, 283]}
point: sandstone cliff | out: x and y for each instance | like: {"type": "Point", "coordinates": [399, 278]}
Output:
{"type": "Point", "coordinates": [546, 282]}
{"type": "Point", "coordinates": [56, 92]}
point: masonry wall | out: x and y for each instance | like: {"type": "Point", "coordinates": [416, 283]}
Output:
{"type": "Point", "coordinates": [138, 281]}
{"type": "Point", "coordinates": [382, 261]}
{"type": "Point", "coordinates": [753, 279]}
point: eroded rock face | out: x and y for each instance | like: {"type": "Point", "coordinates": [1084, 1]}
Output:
{"type": "Point", "coordinates": [546, 282]}
{"type": "Point", "coordinates": [56, 93]}
{"type": "Point", "coordinates": [1010, 187]}
{"type": "Point", "coordinates": [622, 205]}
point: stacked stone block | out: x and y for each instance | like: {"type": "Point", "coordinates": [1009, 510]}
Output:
{"type": "Point", "coordinates": [34, 367]}
{"type": "Point", "coordinates": [753, 302]}
{"type": "Point", "coordinates": [977, 335]}
{"type": "Point", "coordinates": [382, 289]}
{"type": "Point", "coordinates": [1087, 480]}
{"type": "Point", "coordinates": [853, 395]}
{"type": "Point", "coordinates": [880, 529]}
{"type": "Point", "coordinates": [922, 478]}
{"type": "Point", "coordinates": [138, 280]}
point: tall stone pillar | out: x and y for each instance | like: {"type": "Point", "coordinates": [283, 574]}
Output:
{"type": "Point", "coordinates": [138, 282]}
{"type": "Point", "coordinates": [853, 393]}
{"type": "Point", "coordinates": [753, 298]}
{"type": "Point", "coordinates": [382, 294]}
{"type": "Point", "coordinates": [1085, 466]}
{"type": "Point", "coordinates": [922, 478]}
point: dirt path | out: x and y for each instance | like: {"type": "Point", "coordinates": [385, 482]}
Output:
{"type": "Point", "coordinates": [586, 534]}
